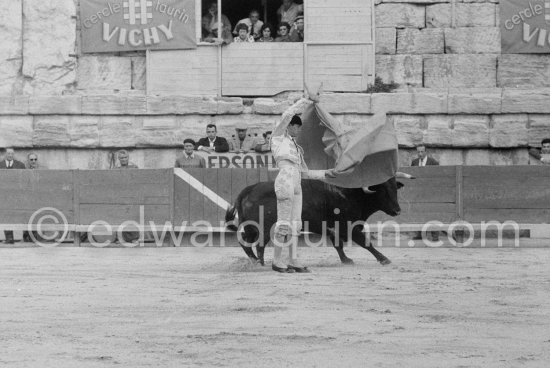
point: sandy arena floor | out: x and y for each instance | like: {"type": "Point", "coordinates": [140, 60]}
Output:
{"type": "Point", "coordinates": [178, 307]}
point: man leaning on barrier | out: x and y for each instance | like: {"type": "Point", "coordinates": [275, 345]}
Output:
{"type": "Point", "coordinates": [542, 156]}
{"type": "Point", "coordinates": [212, 143]}
{"type": "Point", "coordinates": [33, 164]}
{"type": "Point", "coordinates": [9, 162]}
{"type": "Point", "coordinates": [422, 160]}
{"type": "Point", "coordinates": [265, 145]}
{"type": "Point", "coordinates": [124, 161]}
{"type": "Point", "coordinates": [189, 159]}
{"type": "Point", "coordinates": [241, 142]}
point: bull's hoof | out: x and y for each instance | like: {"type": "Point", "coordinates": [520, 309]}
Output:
{"type": "Point", "coordinates": [385, 262]}
{"type": "Point", "coordinates": [262, 262]}
{"type": "Point", "coordinates": [347, 261]}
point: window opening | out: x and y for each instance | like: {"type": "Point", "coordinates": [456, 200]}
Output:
{"type": "Point", "coordinates": [235, 11]}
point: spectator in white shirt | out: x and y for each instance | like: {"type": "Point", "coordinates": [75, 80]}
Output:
{"type": "Point", "coordinates": [423, 159]}
{"type": "Point", "coordinates": [253, 23]}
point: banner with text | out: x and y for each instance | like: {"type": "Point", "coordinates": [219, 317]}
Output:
{"type": "Point", "coordinates": [239, 161]}
{"type": "Point", "coordinates": [525, 26]}
{"type": "Point", "coordinates": [129, 25]}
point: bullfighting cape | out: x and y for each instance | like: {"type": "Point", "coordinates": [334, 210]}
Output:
{"type": "Point", "coordinates": [361, 157]}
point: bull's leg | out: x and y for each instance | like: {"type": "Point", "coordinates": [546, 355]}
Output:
{"type": "Point", "coordinates": [339, 246]}
{"type": "Point", "coordinates": [359, 237]}
{"type": "Point", "coordinates": [260, 248]}
{"type": "Point", "coordinates": [249, 236]}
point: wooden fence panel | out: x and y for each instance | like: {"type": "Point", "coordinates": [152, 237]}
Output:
{"type": "Point", "coordinates": [196, 200]}
{"type": "Point", "coordinates": [210, 180]}
{"type": "Point", "coordinates": [238, 182]}
{"type": "Point", "coordinates": [183, 72]}
{"type": "Point", "coordinates": [22, 192]}
{"type": "Point", "coordinates": [224, 189]}
{"type": "Point", "coordinates": [432, 196]}
{"type": "Point", "coordinates": [262, 69]}
{"type": "Point", "coordinates": [116, 196]}
{"type": "Point", "coordinates": [182, 192]}
{"type": "Point", "coordinates": [519, 193]}
{"type": "Point", "coordinates": [338, 20]}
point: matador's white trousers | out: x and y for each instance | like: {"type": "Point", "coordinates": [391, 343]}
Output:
{"type": "Point", "coordinates": [288, 189]}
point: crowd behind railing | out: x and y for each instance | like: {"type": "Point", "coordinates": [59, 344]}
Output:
{"type": "Point", "coordinates": [290, 28]}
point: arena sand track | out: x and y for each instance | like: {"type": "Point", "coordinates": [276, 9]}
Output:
{"type": "Point", "coordinates": [177, 307]}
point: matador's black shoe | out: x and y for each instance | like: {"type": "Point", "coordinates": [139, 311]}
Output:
{"type": "Point", "coordinates": [282, 269]}
{"type": "Point", "coordinates": [299, 269]}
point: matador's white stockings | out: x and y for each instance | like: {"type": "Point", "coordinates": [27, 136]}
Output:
{"type": "Point", "coordinates": [288, 190]}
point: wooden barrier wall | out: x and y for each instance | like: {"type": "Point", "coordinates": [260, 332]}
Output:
{"type": "Point", "coordinates": [440, 193]}
{"type": "Point", "coordinates": [22, 192]}
{"type": "Point", "coordinates": [433, 195]}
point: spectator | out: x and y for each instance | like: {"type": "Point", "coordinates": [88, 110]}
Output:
{"type": "Point", "coordinates": [267, 32]}
{"type": "Point", "coordinates": [423, 159]}
{"type": "Point", "coordinates": [253, 23]}
{"type": "Point", "coordinates": [189, 159]}
{"type": "Point", "coordinates": [542, 156]}
{"type": "Point", "coordinates": [265, 145]}
{"type": "Point", "coordinates": [8, 163]}
{"type": "Point", "coordinates": [243, 36]}
{"type": "Point", "coordinates": [210, 25]}
{"type": "Point", "coordinates": [32, 162]}
{"type": "Point", "coordinates": [297, 31]}
{"type": "Point", "coordinates": [284, 28]}
{"type": "Point", "coordinates": [212, 143]}
{"type": "Point", "coordinates": [124, 163]}
{"type": "Point", "coordinates": [288, 11]}
{"type": "Point", "coordinates": [124, 160]}
{"type": "Point", "coordinates": [241, 142]}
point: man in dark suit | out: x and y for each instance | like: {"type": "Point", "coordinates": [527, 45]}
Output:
{"type": "Point", "coordinates": [423, 159]}
{"type": "Point", "coordinates": [542, 156]}
{"type": "Point", "coordinates": [212, 143]}
{"type": "Point", "coordinates": [9, 162]}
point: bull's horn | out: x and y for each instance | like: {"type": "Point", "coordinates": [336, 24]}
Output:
{"type": "Point", "coordinates": [403, 175]}
{"type": "Point", "coordinates": [367, 190]}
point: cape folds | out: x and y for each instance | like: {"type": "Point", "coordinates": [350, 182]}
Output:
{"type": "Point", "coordinates": [361, 157]}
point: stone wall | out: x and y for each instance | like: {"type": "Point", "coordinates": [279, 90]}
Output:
{"type": "Point", "coordinates": [450, 43]}
{"type": "Point", "coordinates": [457, 93]}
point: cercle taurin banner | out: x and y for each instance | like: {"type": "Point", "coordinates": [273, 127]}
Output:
{"type": "Point", "coordinates": [525, 26]}
{"type": "Point", "coordinates": [129, 25]}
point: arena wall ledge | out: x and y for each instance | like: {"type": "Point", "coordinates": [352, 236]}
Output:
{"type": "Point", "coordinates": [499, 118]}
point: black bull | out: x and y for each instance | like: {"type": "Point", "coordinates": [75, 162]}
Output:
{"type": "Point", "coordinates": [325, 208]}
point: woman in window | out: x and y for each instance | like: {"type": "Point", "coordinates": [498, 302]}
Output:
{"type": "Point", "coordinates": [284, 29]}
{"type": "Point", "coordinates": [210, 25]}
{"type": "Point", "coordinates": [267, 31]}
{"type": "Point", "coordinates": [242, 34]}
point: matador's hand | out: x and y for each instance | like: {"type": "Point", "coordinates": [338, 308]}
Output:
{"type": "Point", "coordinates": [331, 174]}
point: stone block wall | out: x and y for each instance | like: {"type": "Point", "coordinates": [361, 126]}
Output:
{"type": "Point", "coordinates": [458, 94]}
{"type": "Point", "coordinates": [450, 43]}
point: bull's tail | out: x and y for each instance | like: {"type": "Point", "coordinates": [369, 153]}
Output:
{"type": "Point", "coordinates": [231, 219]}
{"type": "Point", "coordinates": [230, 222]}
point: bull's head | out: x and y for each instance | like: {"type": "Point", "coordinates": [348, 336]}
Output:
{"type": "Point", "coordinates": [385, 194]}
